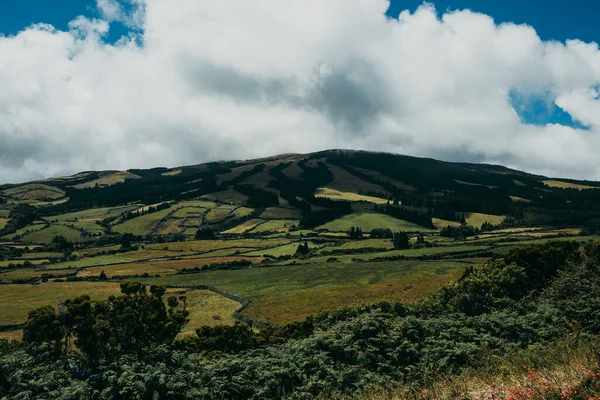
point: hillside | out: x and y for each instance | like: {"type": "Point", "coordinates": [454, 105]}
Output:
{"type": "Point", "coordinates": [323, 259]}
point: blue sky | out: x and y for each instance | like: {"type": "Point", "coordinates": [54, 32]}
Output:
{"type": "Point", "coordinates": [552, 19]}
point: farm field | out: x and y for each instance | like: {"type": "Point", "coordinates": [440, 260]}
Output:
{"type": "Point", "coordinates": [281, 213]}
{"type": "Point", "coordinates": [370, 221]}
{"type": "Point", "coordinates": [567, 185]}
{"type": "Point", "coordinates": [142, 225]}
{"type": "Point", "coordinates": [275, 225]}
{"type": "Point", "coordinates": [126, 269]}
{"type": "Point", "coordinates": [243, 227]}
{"type": "Point", "coordinates": [289, 293]}
{"type": "Point", "coordinates": [333, 194]}
{"type": "Point", "coordinates": [477, 219]}
{"type": "Point", "coordinates": [46, 235]}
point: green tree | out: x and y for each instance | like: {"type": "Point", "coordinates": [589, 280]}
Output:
{"type": "Point", "coordinates": [401, 241]}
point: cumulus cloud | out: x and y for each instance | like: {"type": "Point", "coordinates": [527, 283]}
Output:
{"type": "Point", "coordinates": [206, 80]}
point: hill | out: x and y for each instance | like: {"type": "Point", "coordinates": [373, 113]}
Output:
{"type": "Point", "coordinates": [335, 246]}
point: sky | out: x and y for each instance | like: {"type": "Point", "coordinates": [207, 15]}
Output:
{"type": "Point", "coordinates": [118, 84]}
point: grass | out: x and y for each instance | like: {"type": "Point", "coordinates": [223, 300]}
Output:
{"type": "Point", "coordinates": [333, 194]}
{"type": "Point", "coordinates": [383, 244]}
{"type": "Point", "coordinates": [242, 212]}
{"type": "Point", "coordinates": [243, 227]}
{"type": "Point", "coordinates": [142, 225]}
{"type": "Point", "coordinates": [275, 225]}
{"type": "Point", "coordinates": [24, 273]}
{"type": "Point", "coordinates": [126, 269]}
{"type": "Point", "coordinates": [442, 223]}
{"type": "Point", "coordinates": [3, 222]}
{"type": "Point", "coordinates": [92, 214]}
{"type": "Point", "coordinates": [206, 308]}
{"type": "Point", "coordinates": [108, 179]}
{"type": "Point", "coordinates": [477, 219]}
{"type": "Point", "coordinates": [4, 213]}
{"type": "Point", "coordinates": [285, 250]}
{"type": "Point", "coordinates": [89, 226]}
{"type": "Point", "coordinates": [34, 192]}
{"type": "Point", "coordinates": [290, 293]}
{"type": "Point", "coordinates": [189, 212]}
{"type": "Point", "coordinates": [89, 262]}
{"type": "Point", "coordinates": [281, 213]}
{"type": "Point", "coordinates": [46, 235]}
{"type": "Point", "coordinates": [28, 229]}
{"type": "Point", "coordinates": [6, 263]}
{"type": "Point", "coordinates": [201, 262]}
{"type": "Point", "coordinates": [370, 221]}
{"type": "Point", "coordinates": [218, 213]}
{"type": "Point", "coordinates": [209, 245]}
{"type": "Point", "coordinates": [95, 250]}
{"type": "Point", "coordinates": [228, 196]}
{"type": "Point", "coordinates": [169, 226]}
{"type": "Point", "coordinates": [567, 185]}
{"type": "Point", "coordinates": [17, 300]}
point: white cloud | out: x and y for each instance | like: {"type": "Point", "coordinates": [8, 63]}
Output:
{"type": "Point", "coordinates": [217, 79]}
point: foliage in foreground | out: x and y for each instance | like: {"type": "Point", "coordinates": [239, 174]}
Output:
{"type": "Point", "coordinates": [526, 300]}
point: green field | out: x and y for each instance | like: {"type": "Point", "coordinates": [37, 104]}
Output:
{"type": "Point", "coordinates": [87, 262]}
{"type": "Point", "coordinates": [46, 235]}
{"type": "Point", "coordinates": [243, 227]}
{"type": "Point", "coordinates": [370, 221]}
{"type": "Point", "coordinates": [218, 213]}
{"type": "Point", "coordinates": [126, 269]}
{"type": "Point", "coordinates": [281, 213]}
{"type": "Point", "coordinates": [92, 214]}
{"type": "Point", "coordinates": [142, 225]}
{"type": "Point", "coordinates": [275, 225]}
{"type": "Point", "coordinates": [289, 293]}
{"type": "Point", "coordinates": [28, 229]}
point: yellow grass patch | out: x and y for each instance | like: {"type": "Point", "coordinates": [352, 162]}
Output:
{"type": "Point", "coordinates": [172, 173]}
{"type": "Point", "coordinates": [329, 193]}
{"type": "Point", "coordinates": [218, 213]}
{"type": "Point", "coordinates": [567, 185]}
{"type": "Point", "coordinates": [475, 184]}
{"type": "Point", "coordinates": [477, 219]}
{"type": "Point", "coordinates": [516, 199]}
{"type": "Point", "coordinates": [126, 269]}
{"type": "Point", "coordinates": [108, 178]}
{"type": "Point", "coordinates": [34, 191]}
{"type": "Point", "coordinates": [442, 223]}
{"type": "Point", "coordinates": [206, 309]}
{"type": "Point", "coordinates": [17, 300]}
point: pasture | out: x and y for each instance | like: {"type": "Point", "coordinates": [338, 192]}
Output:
{"type": "Point", "coordinates": [333, 194]}
{"type": "Point", "coordinates": [477, 219]}
{"type": "Point", "coordinates": [281, 213]}
{"type": "Point", "coordinates": [142, 225]}
{"type": "Point", "coordinates": [567, 185]}
{"type": "Point", "coordinates": [45, 235]}
{"type": "Point", "coordinates": [370, 221]}
{"type": "Point", "coordinates": [290, 293]}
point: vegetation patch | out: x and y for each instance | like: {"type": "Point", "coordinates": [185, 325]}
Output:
{"type": "Point", "coordinates": [478, 219]}
{"type": "Point", "coordinates": [243, 227]}
{"type": "Point", "coordinates": [142, 225]}
{"type": "Point", "coordinates": [128, 269]}
{"type": "Point", "coordinates": [281, 213]}
{"type": "Point", "coordinates": [46, 235]}
{"type": "Point", "coordinates": [369, 221]}
{"type": "Point", "coordinates": [108, 178]}
{"type": "Point", "coordinates": [276, 225]}
{"type": "Point", "coordinates": [17, 300]}
{"type": "Point", "coordinates": [333, 194]}
{"type": "Point", "coordinates": [567, 185]}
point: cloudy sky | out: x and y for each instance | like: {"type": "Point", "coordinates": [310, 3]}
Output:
{"type": "Point", "coordinates": [117, 84]}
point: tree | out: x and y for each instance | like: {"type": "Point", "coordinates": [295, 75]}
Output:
{"type": "Point", "coordinates": [102, 276]}
{"type": "Point", "coordinates": [401, 241]}
{"type": "Point", "coordinates": [44, 326]}
{"type": "Point", "coordinates": [205, 234]}
{"type": "Point", "coordinates": [303, 249]}
{"type": "Point", "coordinates": [356, 233]}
